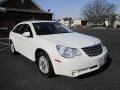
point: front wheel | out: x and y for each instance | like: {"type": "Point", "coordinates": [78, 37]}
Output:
{"type": "Point", "coordinates": [45, 65]}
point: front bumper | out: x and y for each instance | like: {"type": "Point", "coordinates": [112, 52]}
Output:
{"type": "Point", "coordinates": [81, 65]}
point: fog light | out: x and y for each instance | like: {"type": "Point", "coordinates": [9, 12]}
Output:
{"type": "Point", "coordinates": [76, 72]}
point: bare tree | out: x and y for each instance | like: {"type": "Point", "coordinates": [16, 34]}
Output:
{"type": "Point", "coordinates": [98, 10]}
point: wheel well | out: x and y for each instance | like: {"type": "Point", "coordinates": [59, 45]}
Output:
{"type": "Point", "coordinates": [10, 41]}
{"type": "Point", "coordinates": [38, 51]}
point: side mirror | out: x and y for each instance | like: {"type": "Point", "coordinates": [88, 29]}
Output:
{"type": "Point", "coordinates": [26, 34]}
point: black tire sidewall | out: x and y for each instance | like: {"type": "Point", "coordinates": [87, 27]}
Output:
{"type": "Point", "coordinates": [51, 71]}
{"type": "Point", "coordinates": [14, 53]}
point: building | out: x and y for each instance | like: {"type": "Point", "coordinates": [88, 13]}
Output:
{"type": "Point", "coordinates": [15, 11]}
{"type": "Point", "coordinates": [117, 22]}
{"type": "Point", "coordinates": [80, 23]}
{"type": "Point", "coordinates": [66, 21]}
{"type": "Point", "coordinates": [112, 22]}
{"type": "Point", "coordinates": [73, 23]}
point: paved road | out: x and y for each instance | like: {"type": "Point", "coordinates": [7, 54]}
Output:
{"type": "Point", "coordinates": [19, 73]}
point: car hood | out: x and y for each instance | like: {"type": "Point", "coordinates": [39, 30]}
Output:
{"type": "Point", "coordinates": [73, 40]}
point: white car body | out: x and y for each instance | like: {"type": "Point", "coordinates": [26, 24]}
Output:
{"type": "Point", "coordinates": [72, 67]}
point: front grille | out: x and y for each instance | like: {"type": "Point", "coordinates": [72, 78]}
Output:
{"type": "Point", "coordinates": [93, 50]}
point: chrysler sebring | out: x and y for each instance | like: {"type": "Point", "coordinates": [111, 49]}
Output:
{"type": "Point", "coordinates": [56, 49]}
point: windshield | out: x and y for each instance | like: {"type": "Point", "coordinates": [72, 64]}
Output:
{"type": "Point", "coordinates": [46, 28]}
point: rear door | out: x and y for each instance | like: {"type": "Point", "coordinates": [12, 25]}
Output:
{"type": "Point", "coordinates": [16, 36]}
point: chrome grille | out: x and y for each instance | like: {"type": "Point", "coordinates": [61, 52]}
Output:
{"type": "Point", "coordinates": [93, 50]}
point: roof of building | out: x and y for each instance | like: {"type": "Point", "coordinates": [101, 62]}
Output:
{"type": "Point", "coordinates": [2, 1]}
{"type": "Point", "coordinates": [34, 1]}
{"type": "Point", "coordinates": [4, 9]}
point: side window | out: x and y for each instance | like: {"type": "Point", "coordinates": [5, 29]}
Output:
{"type": "Point", "coordinates": [19, 29]}
{"type": "Point", "coordinates": [27, 28]}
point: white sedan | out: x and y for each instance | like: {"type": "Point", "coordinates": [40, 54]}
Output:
{"type": "Point", "coordinates": [57, 49]}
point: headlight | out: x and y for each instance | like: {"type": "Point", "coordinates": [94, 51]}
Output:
{"type": "Point", "coordinates": [67, 52]}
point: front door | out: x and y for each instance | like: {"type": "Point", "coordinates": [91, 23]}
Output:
{"type": "Point", "coordinates": [27, 45]}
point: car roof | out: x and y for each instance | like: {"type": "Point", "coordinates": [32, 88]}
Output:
{"type": "Point", "coordinates": [35, 21]}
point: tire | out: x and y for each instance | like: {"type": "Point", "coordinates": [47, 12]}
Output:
{"type": "Point", "coordinates": [12, 48]}
{"type": "Point", "coordinates": [44, 64]}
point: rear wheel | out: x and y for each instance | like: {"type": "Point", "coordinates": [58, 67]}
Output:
{"type": "Point", "coordinates": [45, 65]}
{"type": "Point", "coordinates": [12, 48]}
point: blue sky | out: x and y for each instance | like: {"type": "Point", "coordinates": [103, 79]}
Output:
{"type": "Point", "coordinates": [69, 8]}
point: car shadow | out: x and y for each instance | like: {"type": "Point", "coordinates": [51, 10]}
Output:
{"type": "Point", "coordinates": [102, 69]}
